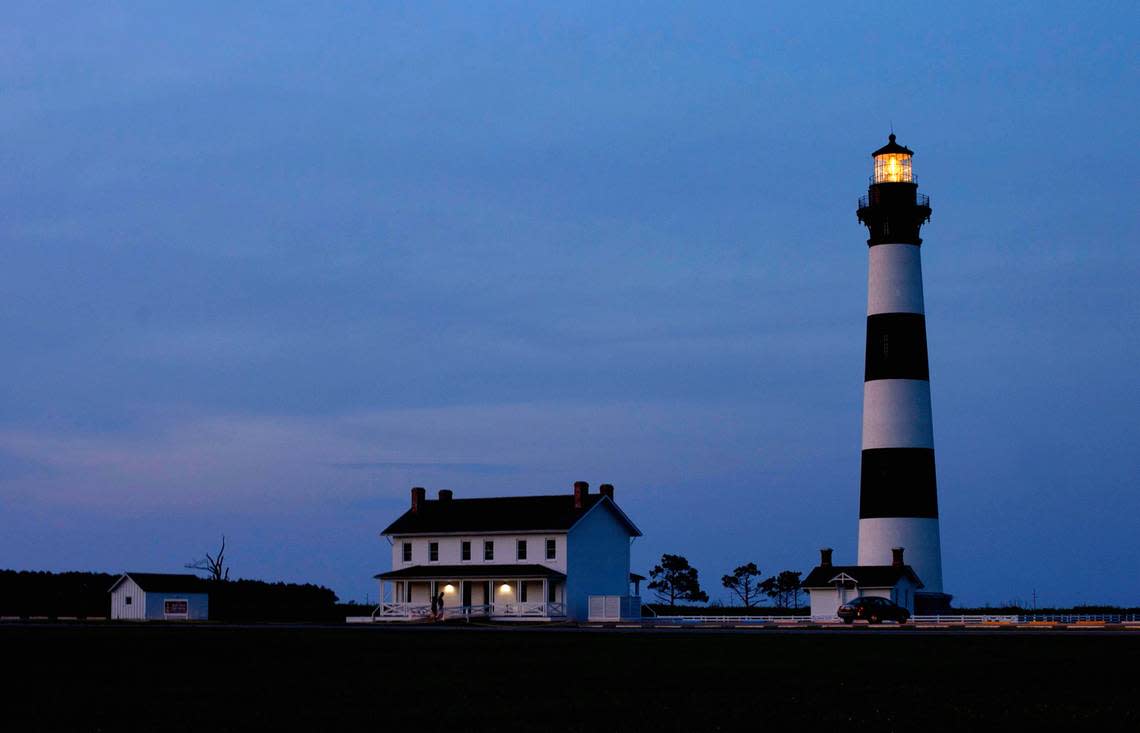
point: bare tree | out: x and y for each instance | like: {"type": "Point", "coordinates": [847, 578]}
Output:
{"type": "Point", "coordinates": [215, 565]}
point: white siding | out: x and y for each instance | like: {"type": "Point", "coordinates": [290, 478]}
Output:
{"type": "Point", "coordinates": [823, 603]}
{"type": "Point", "coordinates": [505, 550]}
{"type": "Point", "coordinates": [136, 609]}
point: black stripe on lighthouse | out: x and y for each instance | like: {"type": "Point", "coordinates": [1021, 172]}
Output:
{"type": "Point", "coordinates": [898, 482]}
{"type": "Point", "coordinates": [896, 347]}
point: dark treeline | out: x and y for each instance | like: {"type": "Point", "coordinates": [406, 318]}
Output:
{"type": "Point", "coordinates": [1052, 611]}
{"type": "Point", "coordinates": [30, 593]}
{"type": "Point", "coordinates": [255, 600]}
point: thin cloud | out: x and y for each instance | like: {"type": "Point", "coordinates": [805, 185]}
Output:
{"type": "Point", "coordinates": [479, 468]}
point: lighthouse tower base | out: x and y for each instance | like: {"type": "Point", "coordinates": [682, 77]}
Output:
{"type": "Point", "coordinates": [919, 538]}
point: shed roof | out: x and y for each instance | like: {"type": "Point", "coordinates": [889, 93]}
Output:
{"type": "Point", "coordinates": [455, 572]}
{"type": "Point", "coordinates": [502, 514]}
{"type": "Point", "coordinates": [165, 582]}
{"type": "Point", "coordinates": [865, 576]}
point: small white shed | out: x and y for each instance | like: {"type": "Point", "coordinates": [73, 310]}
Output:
{"type": "Point", "coordinates": [160, 597]}
{"type": "Point", "coordinates": [829, 586]}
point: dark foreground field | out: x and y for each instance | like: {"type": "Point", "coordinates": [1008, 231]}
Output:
{"type": "Point", "coordinates": [208, 679]}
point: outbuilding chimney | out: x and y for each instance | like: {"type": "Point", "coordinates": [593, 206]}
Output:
{"type": "Point", "coordinates": [607, 490]}
{"type": "Point", "coordinates": [581, 488]}
{"type": "Point", "coordinates": [896, 557]}
{"type": "Point", "coordinates": [419, 496]}
{"type": "Point", "coordinates": [445, 494]}
{"type": "Point", "coordinates": [825, 557]}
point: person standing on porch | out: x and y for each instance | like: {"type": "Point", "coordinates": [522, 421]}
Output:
{"type": "Point", "coordinates": [435, 605]}
{"type": "Point", "coordinates": [437, 602]}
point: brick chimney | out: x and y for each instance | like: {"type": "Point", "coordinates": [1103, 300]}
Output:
{"type": "Point", "coordinates": [607, 490]}
{"type": "Point", "coordinates": [896, 557]}
{"type": "Point", "coordinates": [581, 488]}
{"type": "Point", "coordinates": [445, 494]}
{"type": "Point", "coordinates": [825, 557]}
{"type": "Point", "coordinates": [419, 496]}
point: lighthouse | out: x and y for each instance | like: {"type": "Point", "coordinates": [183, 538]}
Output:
{"type": "Point", "coordinates": [898, 494]}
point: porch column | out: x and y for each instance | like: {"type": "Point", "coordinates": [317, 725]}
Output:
{"type": "Point", "coordinates": [545, 597]}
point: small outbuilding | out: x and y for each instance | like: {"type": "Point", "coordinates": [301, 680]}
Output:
{"type": "Point", "coordinates": [160, 597]}
{"type": "Point", "coordinates": [829, 586]}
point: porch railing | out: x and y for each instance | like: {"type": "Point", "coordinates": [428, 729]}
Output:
{"type": "Point", "coordinates": [415, 610]}
{"type": "Point", "coordinates": [529, 609]}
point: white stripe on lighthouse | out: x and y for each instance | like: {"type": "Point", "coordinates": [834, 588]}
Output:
{"type": "Point", "coordinates": [919, 538]}
{"type": "Point", "coordinates": [896, 414]}
{"type": "Point", "coordinates": [894, 279]}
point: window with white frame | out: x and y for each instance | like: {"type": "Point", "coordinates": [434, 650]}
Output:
{"type": "Point", "coordinates": [488, 549]}
{"type": "Point", "coordinates": [520, 549]}
{"type": "Point", "coordinates": [433, 552]}
{"type": "Point", "coordinates": [465, 550]}
{"type": "Point", "coordinates": [407, 550]}
{"type": "Point", "coordinates": [551, 549]}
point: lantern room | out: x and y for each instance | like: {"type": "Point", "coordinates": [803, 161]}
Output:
{"type": "Point", "coordinates": [892, 163]}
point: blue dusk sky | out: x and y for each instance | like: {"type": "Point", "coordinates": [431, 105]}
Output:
{"type": "Point", "coordinates": [266, 266]}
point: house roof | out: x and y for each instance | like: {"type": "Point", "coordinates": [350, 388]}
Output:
{"type": "Point", "coordinates": [456, 572]}
{"type": "Point", "coordinates": [865, 576]}
{"type": "Point", "coordinates": [502, 514]}
{"type": "Point", "coordinates": [165, 582]}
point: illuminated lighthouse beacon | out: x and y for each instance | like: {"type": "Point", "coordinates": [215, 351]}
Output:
{"type": "Point", "coordinates": [898, 498]}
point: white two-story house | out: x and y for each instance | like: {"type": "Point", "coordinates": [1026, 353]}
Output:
{"type": "Point", "coordinates": [516, 557]}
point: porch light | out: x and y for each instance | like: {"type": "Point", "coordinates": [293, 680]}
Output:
{"type": "Point", "coordinates": [505, 588]}
{"type": "Point", "coordinates": [449, 588]}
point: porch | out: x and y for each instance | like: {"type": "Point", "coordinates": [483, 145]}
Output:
{"type": "Point", "coordinates": [498, 592]}
{"type": "Point", "coordinates": [496, 611]}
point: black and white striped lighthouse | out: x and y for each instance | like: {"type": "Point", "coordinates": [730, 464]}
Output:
{"type": "Point", "coordinates": [898, 497]}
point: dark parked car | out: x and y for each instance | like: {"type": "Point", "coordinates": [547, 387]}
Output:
{"type": "Point", "coordinates": [873, 610]}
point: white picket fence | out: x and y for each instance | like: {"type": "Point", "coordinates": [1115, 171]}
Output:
{"type": "Point", "coordinates": [1031, 618]}
{"type": "Point", "coordinates": [921, 620]}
